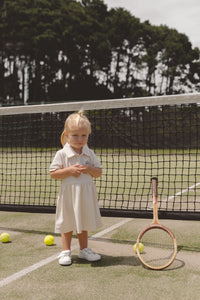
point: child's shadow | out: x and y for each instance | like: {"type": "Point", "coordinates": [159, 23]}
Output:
{"type": "Point", "coordinates": [110, 261]}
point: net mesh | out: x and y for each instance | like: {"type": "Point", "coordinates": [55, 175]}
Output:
{"type": "Point", "coordinates": [134, 142]}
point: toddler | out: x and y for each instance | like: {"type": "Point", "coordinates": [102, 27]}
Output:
{"type": "Point", "coordinates": [77, 206]}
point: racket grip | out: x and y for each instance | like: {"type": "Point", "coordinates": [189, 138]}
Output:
{"type": "Point", "coordinates": [154, 182]}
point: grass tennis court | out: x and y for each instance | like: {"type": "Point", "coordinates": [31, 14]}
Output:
{"type": "Point", "coordinates": [119, 275]}
{"type": "Point", "coordinates": [135, 140]}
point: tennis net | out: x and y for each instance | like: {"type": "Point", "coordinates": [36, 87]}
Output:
{"type": "Point", "coordinates": [135, 139]}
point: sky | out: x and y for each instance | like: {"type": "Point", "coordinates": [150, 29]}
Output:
{"type": "Point", "coordinates": [182, 15]}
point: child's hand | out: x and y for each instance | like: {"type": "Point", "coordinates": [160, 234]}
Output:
{"type": "Point", "coordinates": [94, 172]}
{"type": "Point", "coordinates": [85, 169]}
{"type": "Point", "coordinates": [75, 170]}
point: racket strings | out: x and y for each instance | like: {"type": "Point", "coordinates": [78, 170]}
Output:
{"type": "Point", "coordinates": [159, 248]}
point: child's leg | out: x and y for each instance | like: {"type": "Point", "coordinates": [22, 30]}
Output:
{"type": "Point", "coordinates": [66, 240]}
{"type": "Point", "coordinates": [83, 239]}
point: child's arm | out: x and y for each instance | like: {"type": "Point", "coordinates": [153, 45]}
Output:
{"type": "Point", "coordinates": [63, 173]}
{"type": "Point", "coordinates": [94, 172]}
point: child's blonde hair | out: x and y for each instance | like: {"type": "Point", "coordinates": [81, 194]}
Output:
{"type": "Point", "coordinates": [77, 120]}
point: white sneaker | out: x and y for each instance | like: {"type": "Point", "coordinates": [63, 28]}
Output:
{"type": "Point", "coordinates": [65, 258]}
{"type": "Point", "coordinates": [89, 255]}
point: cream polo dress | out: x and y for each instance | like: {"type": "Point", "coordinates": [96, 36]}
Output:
{"type": "Point", "coordinates": [77, 206]}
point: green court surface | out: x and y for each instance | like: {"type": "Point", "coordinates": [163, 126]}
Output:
{"type": "Point", "coordinates": [119, 275]}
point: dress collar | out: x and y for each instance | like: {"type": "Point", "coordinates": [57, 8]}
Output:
{"type": "Point", "coordinates": [70, 152]}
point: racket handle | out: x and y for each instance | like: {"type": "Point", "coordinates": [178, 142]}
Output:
{"type": "Point", "coordinates": [154, 182]}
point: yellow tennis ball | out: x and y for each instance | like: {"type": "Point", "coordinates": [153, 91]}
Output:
{"type": "Point", "coordinates": [5, 237]}
{"type": "Point", "coordinates": [141, 247]}
{"type": "Point", "coordinates": [49, 240]}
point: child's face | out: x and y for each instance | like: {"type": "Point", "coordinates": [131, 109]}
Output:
{"type": "Point", "coordinates": [77, 138]}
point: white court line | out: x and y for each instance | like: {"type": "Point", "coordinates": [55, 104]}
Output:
{"type": "Point", "coordinates": [181, 192]}
{"type": "Point", "coordinates": [48, 260]}
{"type": "Point", "coordinates": [177, 194]}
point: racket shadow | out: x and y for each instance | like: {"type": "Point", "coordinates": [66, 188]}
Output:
{"type": "Point", "coordinates": [177, 264]}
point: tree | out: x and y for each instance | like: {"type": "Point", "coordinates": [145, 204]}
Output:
{"type": "Point", "coordinates": [63, 50]}
{"type": "Point", "coordinates": [176, 57]}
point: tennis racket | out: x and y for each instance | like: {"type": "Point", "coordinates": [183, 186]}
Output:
{"type": "Point", "coordinates": [160, 247]}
